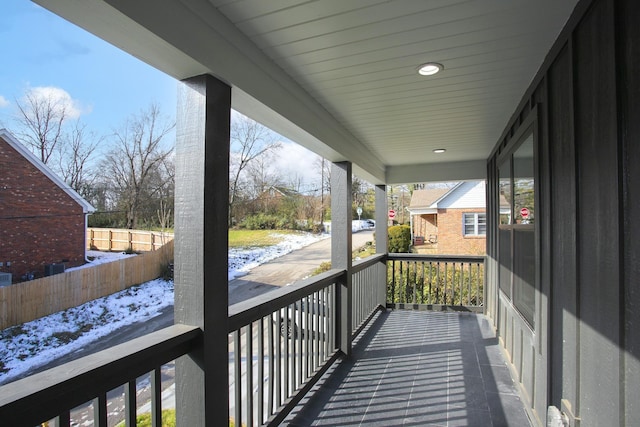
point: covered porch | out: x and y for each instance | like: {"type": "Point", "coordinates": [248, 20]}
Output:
{"type": "Point", "coordinates": [538, 98]}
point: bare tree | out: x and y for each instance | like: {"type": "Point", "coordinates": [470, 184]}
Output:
{"type": "Point", "coordinates": [41, 117]}
{"type": "Point", "coordinates": [137, 164]}
{"type": "Point", "coordinates": [325, 185]}
{"type": "Point", "coordinates": [261, 176]}
{"type": "Point", "coordinates": [295, 182]}
{"type": "Point", "coordinates": [250, 140]}
{"type": "Point", "coordinates": [76, 152]}
{"type": "Point", "coordinates": [45, 127]}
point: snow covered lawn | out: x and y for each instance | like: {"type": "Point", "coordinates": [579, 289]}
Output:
{"type": "Point", "coordinates": [27, 346]}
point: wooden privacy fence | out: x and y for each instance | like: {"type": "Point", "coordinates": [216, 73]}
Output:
{"type": "Point", "coordinates": [27, 301]}
{"type": "Point", "coordinates": [113, 239]}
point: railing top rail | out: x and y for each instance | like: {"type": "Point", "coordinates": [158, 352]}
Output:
{"type": "Point", "coordinates": [367, 262]}
{"type": "Point", "coordinates": [441, 258]}
{"type": "Point", "coordinates": [73, 383]}
{"type": "Point", "coordinates": [245, 312]}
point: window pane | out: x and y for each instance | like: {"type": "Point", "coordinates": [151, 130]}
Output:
{"type": "Point", "coordinates": [504, 236]}
{"type": "Point", "coordinates": [482, 224]}
{"type": "Point", "coordinates": [524, 276]}
{"type": "Point", "coordinates": [523, 183]}
{"type": "Point", "coordinates": [504, 197]}
{"type": "Point", "coordinates": [524, 250]}
{"type": "Point", "coordinates": [469, 224]}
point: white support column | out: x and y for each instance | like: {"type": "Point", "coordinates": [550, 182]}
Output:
{"type": "Point", "coordinates": [341, 219]}
{"type": "Point", "coordinates": [201, 241]}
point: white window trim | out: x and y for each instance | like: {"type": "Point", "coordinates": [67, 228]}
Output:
{"type": "Point", "coordinates": [476, 223]}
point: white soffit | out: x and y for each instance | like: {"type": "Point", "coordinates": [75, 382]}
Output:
{"type": "Point", "coordinates": [344, 73]}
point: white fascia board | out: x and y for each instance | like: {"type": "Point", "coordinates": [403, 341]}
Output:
{"type": "Point", "coordinates": [422, 211]}
{"type": "Point", "coordinates": [24, 152]}
{"type": "Point", "coordinates": [447, 194]}
{"type": "Point", "coordinates": [471, 170]}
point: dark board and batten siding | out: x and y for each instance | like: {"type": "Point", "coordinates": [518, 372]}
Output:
{"type": "Point", "coordinates": [587, 102]}
{"type": "Point", "coordinates": [628, 16]}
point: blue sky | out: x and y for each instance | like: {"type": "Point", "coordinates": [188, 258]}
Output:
{"type": "Point", "coordinates": [106, 85]}
{"type": "Point", "coordinates": [40, 49]}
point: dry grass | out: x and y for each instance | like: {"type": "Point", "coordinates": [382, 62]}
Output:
{"type": "Point", "coordinates": [255, 238]}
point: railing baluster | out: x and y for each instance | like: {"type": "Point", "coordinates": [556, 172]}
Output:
{"type": "Point", "coordinates": [156, 397]}
{"type": "Point", "coordinates": [323, 327]}
{"type": "Point", "coordinates": [462, 282]}
{"type": "Point", "coordinates": [100, 410]}
{"type": "Point", "coordinates": [292, 349]}
{"type": "Point", "coordinates": [307, 338]}
{"type": "Point", "coordinates": [278, 359]}
{"type": "Point", "coordinates": [470, 275]}
{"type": "Point", "coordinates": [260, 383]}
{"type": "Point", "coordinates": [249, 358]}
{"type": "Point", "coordinates": [298, 332]}
{"type": "Point", "coordinates": [314, 330]}
{"type": "Point", "coordinates": [403, 285]}
{"type": "Point", "coordinates": [437, 299]}
{"type": "Point", "coordinates": [270, 381]}
{"type": "Point", "coordinates": [430, 282]}
{"type": "Point", "coordinates": [472, 292]}
{"type": "Point", "coordinates": [237, 368]}
{"type": "Point", "coordinates": [64, 419]}
{"type": "Point", "coordinates": [422, 283]}
{"type": "Point", "coordinates": [285, 361]}
{"type": "Point", "coordinates": [393, 281]}
{"type": "Point", "coordinates": [130, 403]}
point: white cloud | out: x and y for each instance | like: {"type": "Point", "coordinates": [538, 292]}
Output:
{"type": "Point", "coordinates": [3, 102]}
{"type": "Point", "coordinates": [293, 160]}
{"type": "Point", "coordinates": [59, 98]}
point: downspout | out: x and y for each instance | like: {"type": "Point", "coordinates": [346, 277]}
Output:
{"type": "Point", "coordinates": [86, 227]}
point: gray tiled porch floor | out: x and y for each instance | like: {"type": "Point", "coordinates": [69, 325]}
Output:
{"type": "Point", "coordinates": [413, 368]}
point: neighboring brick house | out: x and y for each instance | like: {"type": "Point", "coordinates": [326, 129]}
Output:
{"type": "Point", "coordinates": [450, 220]}
{"type": "Point", "coordinates": [42, 220]}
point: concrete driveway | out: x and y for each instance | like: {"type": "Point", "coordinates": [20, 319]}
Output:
{"type": "Point", "coordinates": [288, 268]}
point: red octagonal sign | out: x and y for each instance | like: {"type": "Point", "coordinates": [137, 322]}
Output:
{"type": "Point", "coordinates": [392, 214]}
{"type": "Point", "coordinates": [524, 213]}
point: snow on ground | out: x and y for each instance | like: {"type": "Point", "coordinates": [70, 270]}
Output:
{"type": "Point", "coordinates": [35, 343]}
{"type": "Point", "coordinates": [30, 345]}
{"type": "Point", "coordinates": [98, 257]}
{"type": "Point", "coordinates": [241, 261]}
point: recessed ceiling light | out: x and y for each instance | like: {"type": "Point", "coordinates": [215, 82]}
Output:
{"type": "Point", "coordinates": [439, 150]}
{"type": "Point", "coordinates": [430, 68]}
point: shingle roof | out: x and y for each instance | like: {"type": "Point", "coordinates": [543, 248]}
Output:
{"type": "Point", "coordinates": [426, 198]}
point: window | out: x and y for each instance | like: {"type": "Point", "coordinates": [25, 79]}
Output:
{"type": "Point", "coordinates": [475, 224]}
{"type": "Point", "coordinates": [516, 230]}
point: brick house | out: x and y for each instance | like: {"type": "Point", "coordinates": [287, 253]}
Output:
{"type": "Point", "coordinates": [42, 220]}
{"type": "Point", "coordinates": [449, 220]}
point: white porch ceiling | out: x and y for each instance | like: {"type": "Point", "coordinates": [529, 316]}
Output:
{"type": "Point", "coordinates": [339, 76]}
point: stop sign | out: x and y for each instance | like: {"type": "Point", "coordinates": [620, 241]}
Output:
{"type": "Point", "coordinates": [524, 213]}
{"type": "Point", "coordinates": [392, 214]}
